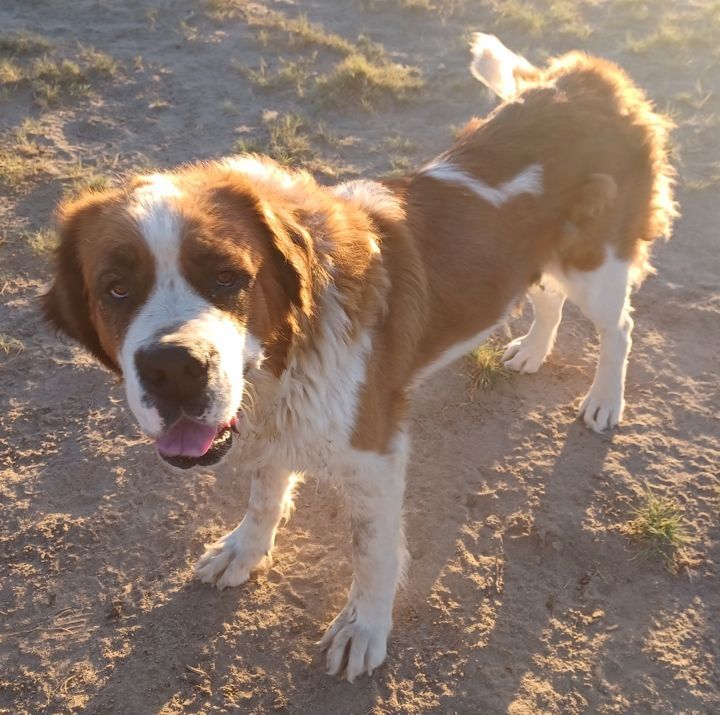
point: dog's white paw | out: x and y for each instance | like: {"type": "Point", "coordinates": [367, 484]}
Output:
{"type": "Point", "coordinates": [356, 641]}
{"type": "Point", "coordinates": [525, 354]}
{"type": "Point", "coordinates": [230, 560]}
{"type": "Point", "coordinates": [602, 409]}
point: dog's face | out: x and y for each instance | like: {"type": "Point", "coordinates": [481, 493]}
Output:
{"type": "Point", "coordinates": [182, 283]}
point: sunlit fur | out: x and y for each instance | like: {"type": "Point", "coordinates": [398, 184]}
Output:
{"type": "Point", "coordinates": [356, 293]}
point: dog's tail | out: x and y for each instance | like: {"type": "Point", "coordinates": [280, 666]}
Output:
{"type": "Point", "coordinates": [499, 68]}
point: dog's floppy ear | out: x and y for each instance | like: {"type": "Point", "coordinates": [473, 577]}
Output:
{"type": "Point", "coordinates": [66, 305]}
{"type": "Point", "coordinates": [290, 243]}
{"type": "Point", "coordinates": [294, 255]}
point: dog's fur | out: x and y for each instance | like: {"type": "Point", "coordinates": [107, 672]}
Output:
{"type": "Point", "coordinates": [241, 285]}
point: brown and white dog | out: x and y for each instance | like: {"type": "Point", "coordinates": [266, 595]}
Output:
{"type": "Point", "coordinates": [244, 303]}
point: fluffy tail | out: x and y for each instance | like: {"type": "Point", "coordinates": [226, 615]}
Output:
{"type": "Point", "coordinates": [499, 68]}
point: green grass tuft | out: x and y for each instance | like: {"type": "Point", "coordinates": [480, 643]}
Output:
{"type": "Point", "coordinates": [356, 80]}
{"type": "Point", "coordinates": [659, 523]}
{"type": "Point", "coordinates": [486, 369]}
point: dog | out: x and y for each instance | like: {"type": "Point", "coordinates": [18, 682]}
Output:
{"type": "Point", "coordinates": [243, 303]}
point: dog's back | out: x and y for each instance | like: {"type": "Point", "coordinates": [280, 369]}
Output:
{"type": "Point", "coordinates": [600, 140]}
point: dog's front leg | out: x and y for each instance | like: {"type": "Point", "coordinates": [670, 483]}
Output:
{"type": "Point", "coordinates": [229, 561]}
{"type": "Point", "coordinates": [356, 641]}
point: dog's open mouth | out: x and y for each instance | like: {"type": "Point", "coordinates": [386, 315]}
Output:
{"type": "Point", "coordinates": [189, 443]}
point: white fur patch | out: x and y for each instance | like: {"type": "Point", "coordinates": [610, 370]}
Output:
{"type": "Point", "coordinates": [374, 486]}
{"type": "Point", "coordinates": [494, 65]}
{"type": "Point", "coordinates": [306, 418]}
{"type": "Point", "coordinates": [373, 196]}
{"type": "Point", "coordinates": [603, 296]}
{"type": "Point", "coordinates": [528, 181]}
{"type": "Point", "coordinates": [266, 171]}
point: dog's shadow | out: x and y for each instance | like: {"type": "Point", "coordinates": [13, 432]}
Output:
{"type": "Point", "coordinates": [480, 521]}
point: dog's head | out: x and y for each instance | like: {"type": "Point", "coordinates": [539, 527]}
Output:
{"type": "Point", "coordinates": [181, 283]}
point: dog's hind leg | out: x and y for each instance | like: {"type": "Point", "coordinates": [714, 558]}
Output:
{"type": "Point", "coordinates": [229, 561]}
{"type": "Point", "coordinates": [356, 641]}
{"type": "Point", "coordinates": [527, 353]}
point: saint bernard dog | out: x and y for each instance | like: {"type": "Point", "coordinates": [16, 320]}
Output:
{"type": "Point", "coordinates": [245, 304]}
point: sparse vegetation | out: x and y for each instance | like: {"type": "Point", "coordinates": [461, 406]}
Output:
{"type": "Point", "coordinates": [81, 178]}
{"type": "Point", "coordinates": [51, 78]}
{"type": "Point", "coordinates": [23, 42]}
{"type": "Point", "coordinates": [659, 523]}
{"type": "Point", "coordinates": [559, 16]}
{"type": "Point", "coordinates": [99, 62]}
{"type": "Point", "coordinates": [708, 179]}
{"type": "Point", "coordinates": [41, 242]}
{"type": "Point", "coordinates": [680, 32]}
{"type": "Point", "coordinates": [486, 369]}
{"type": "Point", "coordinates": [9, 346]}
{"type": "Point", "coordinates": [399, 166]}
{"type": "Point", "coordinates": [10, 72]}
{"type": "Point", "coordinates": [21, 157]}
{"type": "Point", "coordinates": [299, 30]}
{"type": "Point", "coordinates": [302, 31]}
{"type": "Point", "coordinates": [288, 142]}
{"type": "Point", "coordinates": [359, 81]}
{"type": "Point", "coordinates": [292, 74]}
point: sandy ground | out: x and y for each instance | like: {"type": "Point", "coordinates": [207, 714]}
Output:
{"type": "Point", "coordinates": [524, 595]}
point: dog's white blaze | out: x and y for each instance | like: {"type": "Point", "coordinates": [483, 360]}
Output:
{"type": "Point", "coordinates": [174, 310]}
{"type": "Point", "coordinates": [528, 181]}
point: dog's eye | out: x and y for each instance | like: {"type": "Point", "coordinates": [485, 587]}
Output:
{"type": "Point", "coordinates": [118, 290]}
{"type": "Point", "coordinates": [226, 278]}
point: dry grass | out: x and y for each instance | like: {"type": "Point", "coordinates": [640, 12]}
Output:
{"type": "Point", "coordinates": [303, 32]}
{"type": "Point", "coordinates": [556, 17]}
{"type": "Point", "coordinates": [288, 141]}
{"type": "Point", "coordinates": [41, 242]}
{"type": "Point", "coordinates": [79, 177]}
{"type": "Point", "coordinates": [299, 31]}
{"type": "Point", "coordinates": [292, 74]}
{"type": "Point", "coordinates": [358, 81]}
{"type": "Point", "coordinates": [10, 72]}
{"type": "Point", "coordinates": [660, 524]}
{"type": "Point", "coordinates": [21, 157]}
{"type": "Point", "coordinates": [9, 346]}
{"type": "Point", "coordinates": [23, 42]}
{"type": "Point", "coordinates": [99, 63]}
{"type": "Point", "coordinates": [485, 367]}
{"type": "Point", "coordinates": [709, 179]}
{"type": "Point", "coordinates": [682, 32]}
{"type": "Point", "coordinates": [51, 79]}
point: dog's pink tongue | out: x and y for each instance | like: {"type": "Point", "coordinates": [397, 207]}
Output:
{"type": "Point", "coordinates": [186, 438]}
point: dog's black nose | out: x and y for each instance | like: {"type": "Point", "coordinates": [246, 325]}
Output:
{"type": "Point", "coordinates": [172, 373]}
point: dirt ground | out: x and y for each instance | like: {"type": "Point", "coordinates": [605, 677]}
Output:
{"type": "Point", "coordinates": [525, 594]}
